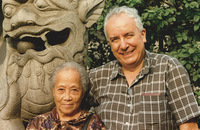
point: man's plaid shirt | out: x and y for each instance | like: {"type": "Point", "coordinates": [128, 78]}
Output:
{"type": "Point", "coordinates": [160, 98]}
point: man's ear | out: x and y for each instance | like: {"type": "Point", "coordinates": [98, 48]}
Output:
{"type": "Point", "coordinates": [90, 11]}
{"type": "Point", "coordinates": [144, 35]}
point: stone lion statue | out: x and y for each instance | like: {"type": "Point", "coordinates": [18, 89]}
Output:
{"type": "Point", "coordinates": [36, 36]}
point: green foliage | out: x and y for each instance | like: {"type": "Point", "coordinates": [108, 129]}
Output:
{"type": "Point", "coordinates": [174, 24]}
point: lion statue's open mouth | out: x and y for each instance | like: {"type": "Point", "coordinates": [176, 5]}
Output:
{"type": "Point", "coordinates": [40, 42]}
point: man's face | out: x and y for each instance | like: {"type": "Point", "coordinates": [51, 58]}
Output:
{"type": "Point", "coordinates": [68, 93]}
{"type": "Point", "coordinates": [125, 39]}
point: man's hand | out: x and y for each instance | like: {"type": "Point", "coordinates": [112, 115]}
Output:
{"type": "Point", "coordinates": [189, 125]}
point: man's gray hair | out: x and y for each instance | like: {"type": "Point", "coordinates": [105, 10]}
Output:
{"type": "Point", "coordinates": [74, 66]}
{"type": "Point", "coordinates": [131, 12]}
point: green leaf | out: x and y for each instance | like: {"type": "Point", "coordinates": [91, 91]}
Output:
{"type": "Point", "coordinates": [159, 17]}
{"type": "Point", "coordinates": [188, 66]}
{"type": "Point", "coordinates": [198, 101]}
{"type": "Point", "coordinates": [148, 23]}
{"type": "Point", "coordinates": [89, 61]}
{"type": "Point", "coordinates": [179, 34]}
{"type": "Point", "coordinates": [166, 13]}
{"type": "Point", "coordinates": [187, 5]}
{"type": "Point", "coordinates": [195, 58]}
{"type": "Point", "coordinates": [179, 39]}
{"type": "Point", "coordinates": [185, 38]}
{"type": "Point", "coordinates": [165, 22]}
{"type": "Point", "coordinates": [151, 11]}
{"type": "Point", "coordinates": [184, 35]}
{"type": "Point", "coordinates": [196, 27]}
{"type": "Point", "coordinates": [172, 1]}
{"type": "Point", "coordinates": [99, 26]}
{"type": "Point", "coordinates": [185, 55]}
{"type": "Point", "coordinates": [195, 78]}
{"type": "Point", "coordinates": [183, 62]}
{"type": "Point", "coordinates": [162, 24]}
{"type": "Point", "coordinates": [197, 93]}
{"type": "Point", "coordinates": [196, 18]}
{"type": "Point", "coordinates": [186, 46]}
{"type": "Point", "coordinates": [119, 1]}
{"type": "Point", "coordinates": [145, 15]}
{"type": "Point", "coordinates": [191, 61]}
{"type": "Point", "coordinates": [174, 19]}
{"type": "Point", "coordinates": [191, 50]}
{"type": "Point", "coordinates": [194, 4]}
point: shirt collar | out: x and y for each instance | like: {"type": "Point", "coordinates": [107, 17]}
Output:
{"type": "Point", "coordinates": [117, 70]}
{"type": "Point", "coordinates": [83, 116]}
{"type": "Point", "coordinates": [146, 65]}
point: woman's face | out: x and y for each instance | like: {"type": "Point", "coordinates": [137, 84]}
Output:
{"type": "Point", "coordinates": [68, 94]}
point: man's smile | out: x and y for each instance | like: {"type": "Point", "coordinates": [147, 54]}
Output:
{"type": "Point", "coordinates": [127, 53]}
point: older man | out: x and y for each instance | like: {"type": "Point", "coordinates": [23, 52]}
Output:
{"type": "Point", "coordinates": [140, 90]}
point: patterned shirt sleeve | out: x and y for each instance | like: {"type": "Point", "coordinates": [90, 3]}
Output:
{"type": "Point", "coordinates": [181, 98]}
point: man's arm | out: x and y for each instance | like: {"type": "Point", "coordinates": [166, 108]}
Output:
{"type": "Point", "coordinates": [189, 125]}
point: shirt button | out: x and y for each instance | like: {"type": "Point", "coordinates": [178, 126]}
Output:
{"type": "Point", "coordinates": [127, 123]}
{"type": "Point", "coordinates": [129, 105]}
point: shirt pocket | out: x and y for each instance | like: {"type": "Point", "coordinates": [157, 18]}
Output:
{"type": "Point", "coordinates": [152, 108]}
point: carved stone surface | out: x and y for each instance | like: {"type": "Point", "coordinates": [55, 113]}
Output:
{"type": "Point", "coordinates": [38, 35]}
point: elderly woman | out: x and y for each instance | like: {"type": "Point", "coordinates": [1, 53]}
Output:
{"type": "Point", "coordinates": [70, 84]}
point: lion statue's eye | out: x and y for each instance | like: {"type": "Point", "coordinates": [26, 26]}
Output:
{"type": "Point", "coordinates": [9, 10]}
{"type": "Point", "coordinates": [41, 4]}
